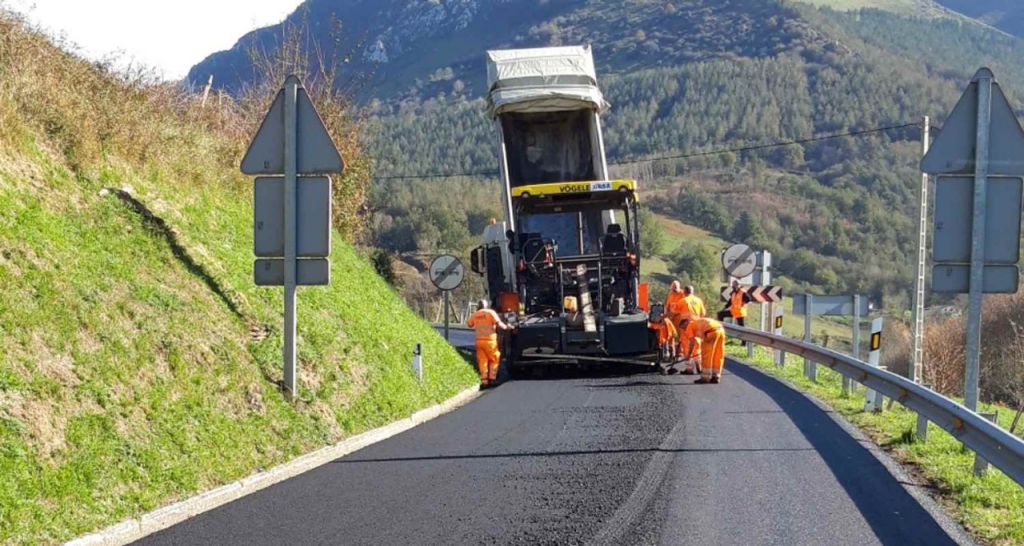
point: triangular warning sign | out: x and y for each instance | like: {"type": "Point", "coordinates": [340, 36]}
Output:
{"type": "Point", "coordinates": [953, 151]}
{"type": "Point", "coordinates": [316, 152]}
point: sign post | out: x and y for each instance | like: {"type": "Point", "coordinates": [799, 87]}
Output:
{"type": "Point", "coordinates": [978, 159]}
{"type": "Point", "coordinates": [291, 250]}
{"type": "Point", "coordinates": [872, 398]}
{"type": "Point", "coordinates": [780, 356]}
{"type": "Point", "coordinates": [447, 273]}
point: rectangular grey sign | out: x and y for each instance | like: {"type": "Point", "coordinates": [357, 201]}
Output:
{"type": "Point", "coordinates": [315, 272]}
{"type": "Point", "coordinates": [312, 217]}
{"type": "Point", "coordinates": [956, 279]}
{"type": "Point", "coordinates": [829, 305]}
{"type": "Point", "coordinates": [954, 201]}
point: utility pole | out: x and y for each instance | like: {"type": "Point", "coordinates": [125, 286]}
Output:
{"type": "Point", "coordinates": [922, 257]}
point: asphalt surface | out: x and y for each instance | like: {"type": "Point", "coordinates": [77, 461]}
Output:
{"type": "Point", "coordinates": [626, 459]}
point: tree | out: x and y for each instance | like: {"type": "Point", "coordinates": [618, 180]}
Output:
{"type": "Point", "coordinates": [652, 237]}
{"type": "Point", "coordinates": [748, 231]}
{"type": "Point", "coordinates": [694, 261]}
{"type": "Point", "coordinates": [384, 265]}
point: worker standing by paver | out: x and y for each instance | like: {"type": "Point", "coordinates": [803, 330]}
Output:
{"type": "Point", "coordinates": [668, 340]}
{"type": "Point", "coordinates": [713, 354]}
{"type": "Point", "coordinates": [486, 323]}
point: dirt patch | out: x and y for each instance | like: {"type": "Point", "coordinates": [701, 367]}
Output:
{"type": "Point", "coordinates": [254, 399]}
{"type": "Point", "coordinates": [44, 425]}
{"type": "Point", "coordinates": [58, 367]}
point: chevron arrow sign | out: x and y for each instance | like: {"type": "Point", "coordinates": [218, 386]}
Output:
{"type": "Point", "coordinates": [758, 294]}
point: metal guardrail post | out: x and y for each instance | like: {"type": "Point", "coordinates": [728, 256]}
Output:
{"type": "Point", "coordinates": [922, 421]}
{"type": "Point", "coordinates": [997, 446]}
{"type": "Point", "coordinates": [980, 464]}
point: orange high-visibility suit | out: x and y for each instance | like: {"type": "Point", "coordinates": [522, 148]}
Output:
{"type": "Point", "coordinates": [694, 356]}
{"type": "Point", "coordinates": [667, 332]}
{"type": "Point", "coordinates": [486, 322]}
{"type": "Point", "coordinates": [675, 307]}
{"type": "Point", "coordinates": [738, 304]}
{"type": "Point", "coordinates": [693, 308]}
{"type": "Point", "coordinates": [713, 358]}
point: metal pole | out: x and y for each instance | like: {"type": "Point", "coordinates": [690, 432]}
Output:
{"type": "Point", "coordinates": [978, 244]}
{"type": "Point", "coordinates": [291, 93]}
{"type": "Point", "coordinates": [922, 261]}
{"type": "Point", "coordinates": [447, 306]}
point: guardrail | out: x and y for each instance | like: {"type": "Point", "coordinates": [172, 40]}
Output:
{"type": "Point", "coordinates": [997, 446]}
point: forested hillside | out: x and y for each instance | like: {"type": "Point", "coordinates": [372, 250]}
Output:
{"type": "Point", "coordinates": [696, 81]}
{"type": "Point", "coordinates": [837, 212]}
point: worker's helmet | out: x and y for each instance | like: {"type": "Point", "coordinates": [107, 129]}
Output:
{"type": "Point", "coordinates": [482, 304]}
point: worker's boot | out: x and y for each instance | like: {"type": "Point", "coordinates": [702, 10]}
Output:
{"type": "Point", "coordinates": [715, 379]}
{"type": "Point", "coordinates": [703, 381]}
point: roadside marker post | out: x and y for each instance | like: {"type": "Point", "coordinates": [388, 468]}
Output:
{"type": "Point", "coordinates": [780, 355]}
{"type": "Point", "coordinates": [291, 143]}
{"type": "Point", "coordinates": [447, 273]}
{"type": "Point", "coordinates": [978, 161]}
{"type": "Point", "coordinates": [872, 398]}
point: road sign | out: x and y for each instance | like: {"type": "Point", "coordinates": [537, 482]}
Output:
{"type": "Point", "coordinates": [842, 306]}
{"type": "Point", "coordinates": [292, 140]}
{"type": "Point", "coordinates": [446, 272]}
{"type": "Point", "coordinates": [313, 214]}
{"type": "Point", "coordinates": [982, 138]}
{"type": "Point", "coordinates": [739, 260]}
{"type": "Point", "coordinates": [956, 279]}
{"type": "Point", "coordinates": [758, 294]}
{"type": "Point", "coordinates": [954, 196]}
{"type": "Point", "coordinates": [316, 153]}
{"type": "Point", "coordinates": [314, 272]}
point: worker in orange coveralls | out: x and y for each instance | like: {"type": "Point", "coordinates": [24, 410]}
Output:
{"type": "Point", "coordinates": [668, 339]}
{"type": "Point", "coordinates": [690, 353]}
{"type": "Point", "coordinates": [713, 358]}
{"type": "Point", "coordinates": [486, 323]}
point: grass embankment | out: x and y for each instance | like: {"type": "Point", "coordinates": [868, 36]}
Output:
{"type": "Point", "coordinates": [991, 507]}
{"type": "Point", "coordinates": [138, 362]}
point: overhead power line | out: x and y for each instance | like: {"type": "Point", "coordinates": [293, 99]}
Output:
{"type": "Point", "coordinates": [677, 156]}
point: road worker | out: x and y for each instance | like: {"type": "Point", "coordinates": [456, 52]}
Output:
{"type": "Point", "coordinates": [736, 307]}
{"type": "Point", "coordinates": [486, 322]}
{"type": "Point", "coordinates": [690, 353]}
{"type": "Point", "coordinates": [713, 352]}
{"type": "Point", "coordinates": [694, 305]}
{"type": "Point", "coordinates": [668, 340]}
{"type": "Point", "coordinates": [675, 303]}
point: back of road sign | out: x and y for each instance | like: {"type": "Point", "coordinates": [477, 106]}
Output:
{"type": "Point", "coordinates": [953, 150]}
{"type": "Point", "coordinates": [316, 153]}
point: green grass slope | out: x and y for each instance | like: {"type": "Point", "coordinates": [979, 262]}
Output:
{"type": "Point", "coordinates": [138, 361]}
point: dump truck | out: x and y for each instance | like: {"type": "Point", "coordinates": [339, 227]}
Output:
{"type": "Point", "coordinates": [563, 265]}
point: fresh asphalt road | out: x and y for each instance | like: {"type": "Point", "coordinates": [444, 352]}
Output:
{"type": "Point", "coordinates": [629, 459]}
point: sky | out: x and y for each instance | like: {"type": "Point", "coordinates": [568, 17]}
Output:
{"type": "Point", "coordinates": [168, 35]}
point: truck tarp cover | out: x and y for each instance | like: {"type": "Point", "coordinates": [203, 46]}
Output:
{"type": "Point", "coordinates": [542, 80]}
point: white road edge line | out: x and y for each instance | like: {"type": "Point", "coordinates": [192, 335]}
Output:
{"type": "Point", "coordinates": [134, 529]}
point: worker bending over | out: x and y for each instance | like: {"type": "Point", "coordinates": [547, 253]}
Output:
{"type": "Point", "coordinates": [690, 352]}
{"type": "Point", "coordinates": [712, 333]}
{"type": "Point", "coordinates": [486, 323]}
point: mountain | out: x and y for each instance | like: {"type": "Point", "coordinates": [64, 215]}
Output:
{"type": "Point", "coordinates": [1006, 15]}
{"type": "Point", "coordinates": [692, 83]}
